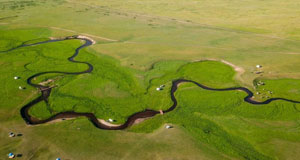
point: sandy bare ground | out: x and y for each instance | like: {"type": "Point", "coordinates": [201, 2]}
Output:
{"type": "Point", "coordinates": [108, 124]}
{"type": "Point", "coordinates": [46, 82]}
{"type": "Point", "coordinates": [79, 36]}
{"type": "Point", "coordinates": [100, 120]}
{"type": "Point", "coordinates": [86, 37]}
{"type": "Point", "coordinates": [140, 120]}
{"type": "Point", "coordinates": [137, 121]}
{"type": "Point", "coordinates": [60, 120]}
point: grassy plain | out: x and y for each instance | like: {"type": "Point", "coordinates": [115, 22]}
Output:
{"type": "Point", "coordinates": [140, 46]}
{"type": "Point", "coordinates": [160, 38]}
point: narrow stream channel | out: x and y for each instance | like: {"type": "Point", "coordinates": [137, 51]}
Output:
{"type": "Point", "coordinates": [45, 93]}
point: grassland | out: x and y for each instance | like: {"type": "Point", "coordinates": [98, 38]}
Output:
{"type": "Point", "coordinates": [140, 46]}
{"type": "Point", "coordinates": [163, 39]}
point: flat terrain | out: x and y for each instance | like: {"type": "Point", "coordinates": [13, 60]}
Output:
{"type": "Point", "coordinates": [141, 45]}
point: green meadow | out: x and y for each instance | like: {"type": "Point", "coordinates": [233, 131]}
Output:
{"type": "Point", "coordinates": [141, 45]}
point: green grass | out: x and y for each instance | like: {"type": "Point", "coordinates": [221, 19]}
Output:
{"type": "Point", "coordinates": [157, 43]}
{"type": "Point", "coordinates": [222, 118]}
{"type": "Point", "coordinates": [142, 45]}
{"type": "Point", "coordinates": [9, 40]}
{"type": "Point", "coordinates": [279, 88]}
{"type": "Point", "coordinates": [113, 91]}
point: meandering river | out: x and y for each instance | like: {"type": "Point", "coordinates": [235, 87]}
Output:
{"type": "Point", "coordinates": [45, 93]}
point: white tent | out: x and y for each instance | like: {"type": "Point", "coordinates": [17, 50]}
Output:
{"type": "Point", "coordinates": [168, 127]}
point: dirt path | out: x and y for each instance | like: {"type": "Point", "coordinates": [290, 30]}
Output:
{"type": "Point", "coordinates": [293, 53]}
{"type": "Point", "coordinates": [83, 34]}
{"type": "Point", "coordinates": [239, 70]}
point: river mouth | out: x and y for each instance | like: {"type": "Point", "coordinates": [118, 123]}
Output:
{"type": "Point", "coordinates": [148, 113]}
